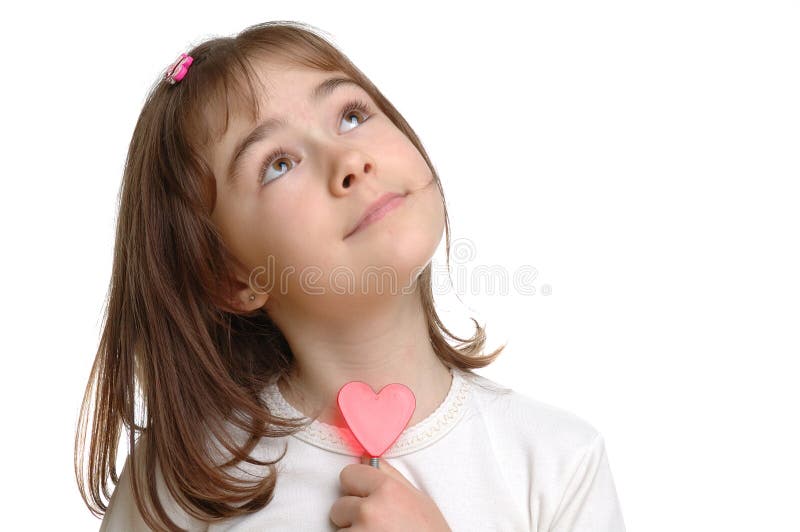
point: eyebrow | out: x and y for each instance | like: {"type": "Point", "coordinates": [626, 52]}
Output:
{"type": "Point", "coordinates": [270, 125]}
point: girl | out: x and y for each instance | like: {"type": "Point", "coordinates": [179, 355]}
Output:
{"type": "Point", "coordinates": [268, 185]}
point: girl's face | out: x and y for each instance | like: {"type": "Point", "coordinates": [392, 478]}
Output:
{"type": "Point", "coordinates": [295, 193]}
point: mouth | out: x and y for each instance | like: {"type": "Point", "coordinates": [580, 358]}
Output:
{"type": "Point", "coordinates": [377, 210]}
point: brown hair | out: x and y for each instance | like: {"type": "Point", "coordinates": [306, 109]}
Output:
{"type": "Point", "coordinates": [170, 338]}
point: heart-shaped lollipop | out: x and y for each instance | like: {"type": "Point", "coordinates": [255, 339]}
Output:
{"type": "Point", "coordinates": [376, 420]}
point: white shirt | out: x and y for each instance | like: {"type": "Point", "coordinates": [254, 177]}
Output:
{"type": "Point", "coordinates": [490, 458]}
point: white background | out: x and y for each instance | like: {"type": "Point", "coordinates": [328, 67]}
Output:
{"type": "Point", "coordinates": [641, 156]}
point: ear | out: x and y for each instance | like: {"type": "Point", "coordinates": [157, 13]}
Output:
{"type": "Point", "coordinates": [245, 297]}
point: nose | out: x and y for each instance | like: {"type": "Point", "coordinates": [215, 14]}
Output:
{"type": "Point", "coordinates": [350, 167]}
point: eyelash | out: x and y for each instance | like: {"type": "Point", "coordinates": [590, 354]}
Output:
{"type": "Point", "coordinates": [352, 105]}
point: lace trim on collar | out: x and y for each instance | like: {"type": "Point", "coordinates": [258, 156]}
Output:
{"type": "Point", "coordinates": [341, 440]}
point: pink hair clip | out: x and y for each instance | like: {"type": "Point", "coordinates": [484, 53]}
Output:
{"type": "Point", "coordinates": [178, 69]}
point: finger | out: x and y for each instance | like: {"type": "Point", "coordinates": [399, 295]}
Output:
{"type": "Point", "coordinates": [360, 480]}
{"type": "Point", "coordinates": [344, 511]}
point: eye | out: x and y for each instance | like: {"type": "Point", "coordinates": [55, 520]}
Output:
{"type": "Point", "coordinates": [355, 108]}
{"type": "Point", "coordinates": [277, 156]}
{"type": "Point", "coordinates": [278, 159]}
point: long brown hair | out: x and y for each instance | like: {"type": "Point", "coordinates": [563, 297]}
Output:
{"type": "Point", "coordinates": [171, 340]}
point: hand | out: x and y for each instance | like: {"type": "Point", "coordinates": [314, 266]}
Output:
{"type": "Point", "coordinates": [383, 500]}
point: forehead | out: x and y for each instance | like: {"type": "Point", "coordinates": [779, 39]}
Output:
{"type": "Point", "coordinates": [284, 78]}
{"type": "Point", "coordinates": [248, 95]}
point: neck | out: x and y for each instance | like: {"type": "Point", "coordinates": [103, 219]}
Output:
{"type": "Point", "coordinates": [388, 345]}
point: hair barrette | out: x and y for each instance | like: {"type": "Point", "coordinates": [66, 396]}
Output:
{"type": "Point", "coordinates": [178, 69]}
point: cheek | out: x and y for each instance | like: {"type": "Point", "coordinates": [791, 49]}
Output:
{"type": "Point", "coordinates": [432, 207]}
{"type": "Point", "coordinates": [294, 237]}
{"type": "Point", "coordinates": [401, 154]}
{"type": "Point", "coordinates": [253, 233]}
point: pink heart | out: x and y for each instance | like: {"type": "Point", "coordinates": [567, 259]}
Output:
{"type": "Point", "coordinates": [376, 420]}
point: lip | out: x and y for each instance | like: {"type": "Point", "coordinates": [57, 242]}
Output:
{"type": "Point", "coordinates": [377, 209]}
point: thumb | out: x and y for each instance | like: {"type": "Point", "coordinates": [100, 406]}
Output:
{"type": "Point", "coordinates": [389, 469]}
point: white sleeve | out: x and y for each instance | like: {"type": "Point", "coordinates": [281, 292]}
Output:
{"type": "Point", "coordinates": [590, 502]}
{"type": "Point", "coordinates": [123, 515]}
